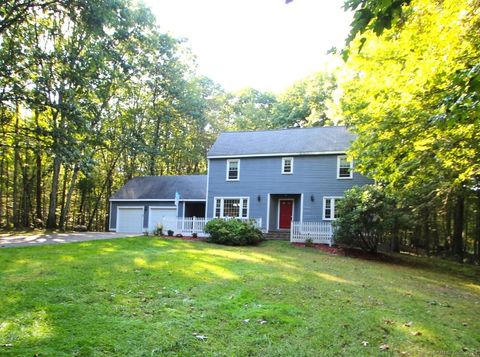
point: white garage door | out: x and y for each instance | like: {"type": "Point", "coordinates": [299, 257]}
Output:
{"type": "Point", "coordinates": [164, 216]}
{"type": "Point", "coordinates": [130, 220]}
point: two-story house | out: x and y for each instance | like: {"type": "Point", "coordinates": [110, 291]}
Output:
{"type": "Point", "coordinates": [272, 176]}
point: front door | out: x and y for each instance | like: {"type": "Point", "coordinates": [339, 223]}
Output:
{"type": "Point", "coordinates": [285, 214]}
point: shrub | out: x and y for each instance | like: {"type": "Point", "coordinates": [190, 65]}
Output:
{"type": "Point", "coordinates": [365, 218]}
{"type": "Point", "coordinates": [232, 232]}
{"type": "Point", "coordinates": [194, 235]}
{"type": "Point", "coordinates": [179, 235]}
{"type": "Point", "coordinates": [170, 233]}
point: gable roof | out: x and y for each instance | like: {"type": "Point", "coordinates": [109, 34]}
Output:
{"type": "Point", "coordinates": [163, 188]}
{"type": "Point", "coordinates": [282, 142]}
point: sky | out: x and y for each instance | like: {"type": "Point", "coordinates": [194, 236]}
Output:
{"type": "Point", "coordinates": [264, 44]}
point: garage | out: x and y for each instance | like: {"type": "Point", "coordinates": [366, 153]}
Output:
{"type": "Point", "coordinates": [130, 219]}
{"type": "Point", "coordinates": [166, 216]}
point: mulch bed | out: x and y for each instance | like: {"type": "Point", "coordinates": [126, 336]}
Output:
{"type": "Point", "coordinates": [182, 238]}
{"type": "Point", "coordinates": [347, 252]}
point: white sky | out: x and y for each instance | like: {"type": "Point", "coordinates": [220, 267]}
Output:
{"type": "Point", "coordinates": [264, 44]}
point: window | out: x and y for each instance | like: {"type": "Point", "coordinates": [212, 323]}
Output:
{"type": "Point", "coordinates": [287, 165]}
{"type": "Point", "coordinates": [329, 212]}
{"type": "Point", "coordinates": [344, 168]}
{"type": "Point", "coordinates": [231, 207]}
{"type": "Point", "coordinates": [233, 170]}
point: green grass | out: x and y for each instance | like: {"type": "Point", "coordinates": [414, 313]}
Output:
{"type": "Point", "coordinates": [149, 297]}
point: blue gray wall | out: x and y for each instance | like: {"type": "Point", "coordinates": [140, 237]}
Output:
{"type": "Point", "coordinates": [312, 175]}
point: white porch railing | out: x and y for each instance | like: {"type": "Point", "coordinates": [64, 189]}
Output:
{"type": "Point", "coordinates": [317, 232]}
{"type": "Point", "coordinates": [190, 225]}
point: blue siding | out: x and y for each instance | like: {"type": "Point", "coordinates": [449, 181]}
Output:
{"type": "Point", "coordinates": [260, 176]}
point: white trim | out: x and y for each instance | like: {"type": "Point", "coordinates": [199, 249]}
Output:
{"type": "Point", "coordinates": [301, 207]}
{"type": "Point", "coordinates": [183, 212]}
{"type": "Point", "coordinates": [339, 157]}
{"type": "Point", "coordinates": [268, 213]}
{"type": "Point", "coordinates": [155, 200]}
{"type": "Point", "coordinates": [110, 228]}
{"type": "Point", "coordinates": [332, 207]}
{"type": "Point", "coordinates": [228, 169]}
{"type": "Point", "coordinates": [143, 214]}
{"type": "Point", "coordinates": [222, 198]}
{"type": "Point", "coordinates": [277, 154]}
{"type": "Point", "coordinates": [283, 165]}
{"type": "Point", "coordinates": [160, 207]}
{"type": "Point", "coordinates": [206, 193]}
{"type": "Point", "coordinates": [293, 211]}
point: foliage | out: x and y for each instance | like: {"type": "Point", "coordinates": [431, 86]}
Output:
{"type": "Point", "coordinates": [364, 218]}
{"type": "Point", "coordinates": [233, 232]}
{"type": "Point", "coordinates": [153, 297]}
{"type": "Point", "coordinates": [412, 96]}
{"type": "Point", "coordinates": [170, 233]}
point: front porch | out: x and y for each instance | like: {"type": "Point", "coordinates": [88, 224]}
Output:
{"type": "Point", "coordinates": [282, 210]}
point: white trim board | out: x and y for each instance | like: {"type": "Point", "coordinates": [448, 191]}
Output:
{"type": "Point", "coordinates": [268, 213]}
{"type": "Point", "coordinates": [277, 154]}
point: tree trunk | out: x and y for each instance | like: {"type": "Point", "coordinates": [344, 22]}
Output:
{"type": "Point", "coordinates": [52, 207]}
{"type": "Point", "coordinates": [64, 196]}
{"type": "Point", "coordinates": [1, 186]}
{"type": "Point", "coordinates": [16, 159]}
{"type": "Point", "coordinates": [426, 230]}
{"type": "Point", "coordinates": [395, 243]}
{"type": "Point", "coordinates": [38, 177]}
{"type": "Point", "coordinates": [476, 245]}
{"type": "Point", "coordinates": [107, 205]}
{"type": "Point", "coordinates": [66, 207]}
{"type": "Point", "coordinates": [26, 194]}
{"type": "Point", "coordinates": [458, 227]}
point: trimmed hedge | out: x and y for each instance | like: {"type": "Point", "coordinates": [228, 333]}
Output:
{"type": "Point", "coordinates": [233, 232]}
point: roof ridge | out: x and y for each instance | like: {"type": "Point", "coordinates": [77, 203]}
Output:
{"type": "Point", "coordinates": [282, 129]}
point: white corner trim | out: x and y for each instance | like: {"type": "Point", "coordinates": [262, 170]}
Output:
{"type": "Point", "coordinates": [268, 213]}
{"type": "Point", "coordinates": [301, 207]}
{"type": "Point", "coordinates": [206, 192]}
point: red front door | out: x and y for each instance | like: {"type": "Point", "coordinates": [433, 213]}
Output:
{"type": "Point", "coordinates": [285, 215]}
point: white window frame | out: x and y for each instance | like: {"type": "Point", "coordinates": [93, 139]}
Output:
{"type": "Point", "coordinates": [332, 206]}
{"type": "Point", "coordinates": [222, 199]}
{"type": "Point", "coordinates": [283, 165]}
{"type": "Point", "coordinates": [339, 157]}
{"type": "Point", "coordinates": [228, 169]}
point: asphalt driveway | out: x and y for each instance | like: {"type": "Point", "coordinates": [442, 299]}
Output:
{"type": "Point", "coordinates": [22, 240]}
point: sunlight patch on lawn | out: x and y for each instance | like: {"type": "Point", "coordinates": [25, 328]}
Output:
{"type": "Point", "coordinates": [474, 287]}
{"type": "Point", "coordinates": [332, 278]}
{"type": "Point", "coordinates": [215, 270]}
{"type": "Point", "coordinates": [32, 325]}
{"type": "Point", "coordinates": [140, 262]}
{"type": "Point", "coordinates": [67, 258]}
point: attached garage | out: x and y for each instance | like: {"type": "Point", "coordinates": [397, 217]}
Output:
{"type": "Point", "coordinates": [130, 219]}
{"type": "Point", "coordinates": [144, 202]}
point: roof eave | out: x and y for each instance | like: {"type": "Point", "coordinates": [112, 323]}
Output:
{"type": "Point", "coordinates": [336, 152]}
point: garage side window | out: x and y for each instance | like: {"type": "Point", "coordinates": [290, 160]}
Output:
{"type": "Point", "coordinates": [231, 207]}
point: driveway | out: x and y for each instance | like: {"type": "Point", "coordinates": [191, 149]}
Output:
{"type": "Point", "coordinates": [20, 240]}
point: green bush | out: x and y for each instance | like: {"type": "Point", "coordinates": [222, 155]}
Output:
{"type": "Point", "coordinates": [233, 232]}
{"type": "Point", "coordinates": [365, 218]}
{"type": "Point", "coordinates": [158, 231]}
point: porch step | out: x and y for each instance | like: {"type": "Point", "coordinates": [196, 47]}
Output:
{"type": "Point", "coordinates": [277, 235]}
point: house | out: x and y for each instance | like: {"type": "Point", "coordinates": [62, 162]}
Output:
{"type": "Point", "coordinates": [272, 176]}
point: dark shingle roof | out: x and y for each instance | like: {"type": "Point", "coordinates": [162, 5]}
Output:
{"type": "Point", "coordinates": [164, 187]}
{"type": "Point", "coordinates": [283, 141]}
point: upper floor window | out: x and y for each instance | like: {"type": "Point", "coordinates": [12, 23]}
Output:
{"type": "Point", "coordinates": [287, 165]}
{"type": "Point", "coordinates": [344, 168]}
{"type": "Point", "coordinates": [329, 211]}
{"type": "Point", "coordinates": [233, 170]}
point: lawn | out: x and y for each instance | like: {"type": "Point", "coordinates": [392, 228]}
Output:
{"type": "Point", "coordinates": [155, 297]}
